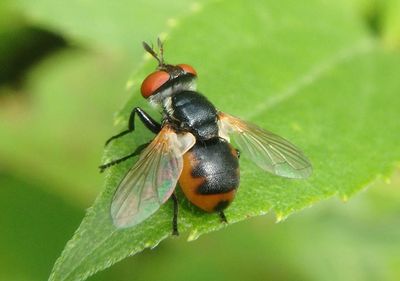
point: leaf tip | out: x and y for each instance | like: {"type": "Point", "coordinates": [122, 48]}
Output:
{"type": "Point", "coordinates": [193, 235]}
{"type": "Point", "coordinates": [280, 217]}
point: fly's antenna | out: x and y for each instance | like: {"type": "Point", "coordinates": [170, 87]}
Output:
{"type": "Point", "coordinates": [161, 48]}
{"type": "Point", "coordinates": [159, 57]}
{"type": "Point", "coordinates": [152, 52]}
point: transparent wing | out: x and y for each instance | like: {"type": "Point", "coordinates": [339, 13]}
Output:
{"type": "Point", "coordinates": [151, 181]}
{"type": "Point", "coordinates": [270, 152]}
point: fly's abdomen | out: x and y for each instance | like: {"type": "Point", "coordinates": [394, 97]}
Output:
{"type": "Point", "coordinates": [210, 175]}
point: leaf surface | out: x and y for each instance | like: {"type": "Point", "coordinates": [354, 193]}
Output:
{"type": "Point", "coordinates": [312, 74]}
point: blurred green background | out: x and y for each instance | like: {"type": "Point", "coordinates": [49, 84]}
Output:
{"type": "Point", "coordinates": [64, 68]}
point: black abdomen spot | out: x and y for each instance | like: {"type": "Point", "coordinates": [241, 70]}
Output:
{"type": "Point", "coordinates": [217, 166]}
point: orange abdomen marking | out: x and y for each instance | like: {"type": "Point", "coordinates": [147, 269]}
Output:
{"type": "Point", "coordinates": [210, 175]}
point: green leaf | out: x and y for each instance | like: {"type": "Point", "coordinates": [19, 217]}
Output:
{"type": "Point", "coordinates": [358, 240]}
{"type": "Point", "coordinates": [313, 74]}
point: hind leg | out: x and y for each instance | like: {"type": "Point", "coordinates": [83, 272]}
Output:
{"type": "Point", "coordinates": [222, 217]}
{"type": "Point", "coordinates": [175, 217]}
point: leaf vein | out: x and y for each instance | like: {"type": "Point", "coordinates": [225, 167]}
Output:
{"type": "Point", "coordinates": [360, 47]}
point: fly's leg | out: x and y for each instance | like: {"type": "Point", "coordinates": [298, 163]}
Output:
{"type": "Point", "coordinates": [223, 217]}
{"type": "Point", "coordinates": [147, 120]}
{"type": "Point", "coordinates": [150, 124]}
{"type": "Point", "coordinates": [114, 162]}
{"type": "Point", "coordinates": [175, 217]}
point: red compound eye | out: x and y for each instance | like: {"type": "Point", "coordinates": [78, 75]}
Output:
{"type": "Point", "coordinates": [188, 69]}
{"type": "Point", "coordinates": [153, 82]}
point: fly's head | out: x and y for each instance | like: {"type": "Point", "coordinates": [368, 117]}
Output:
{"type": "Point", "coordinates": [168, 79]}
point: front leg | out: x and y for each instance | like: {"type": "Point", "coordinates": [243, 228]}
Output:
{"type": "Point", "coordinates": [115, 162]}
{"type": "Point", "coordinates": [146, 119]}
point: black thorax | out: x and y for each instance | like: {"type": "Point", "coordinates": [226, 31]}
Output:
{"type": "Point", "coordinates": [191, 111]}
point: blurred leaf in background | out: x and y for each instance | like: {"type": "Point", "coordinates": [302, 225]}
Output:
{"type": "Point", "coordinates": [63, 73]}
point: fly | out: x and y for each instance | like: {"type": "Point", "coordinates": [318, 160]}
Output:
{"type": "Point", "coordinates": [192, 147]}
